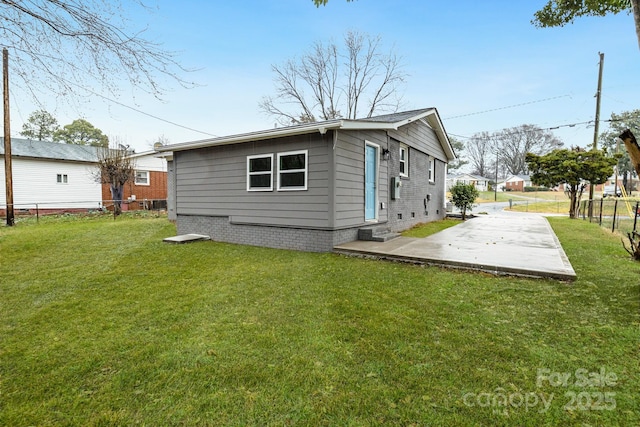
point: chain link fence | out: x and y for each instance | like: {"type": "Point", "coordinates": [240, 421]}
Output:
{"type": "Point", "coordinates": [37, 209]}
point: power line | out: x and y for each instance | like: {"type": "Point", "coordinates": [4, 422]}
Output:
{"type": "Point", "coordinates": [508, 106]}
{"type": "Point", "coordinates": [137, 110]}
{"type": "Point", "coordinates": [569, 125]}
{"type": "Point", "coordinates": [147, 114]}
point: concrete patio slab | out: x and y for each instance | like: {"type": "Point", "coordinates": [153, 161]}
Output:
{"type": "Point", "coordinates": [505, 243]}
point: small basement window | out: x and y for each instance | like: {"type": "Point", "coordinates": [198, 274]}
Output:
{"type": "Point", "coordinates": [292, 170]}
{"type": "Point", "coordinates": [260, 172]}
{"type": "Point", "coordinates": [142, 178]}
{"type": "Point", "coordinates": [62, 178]}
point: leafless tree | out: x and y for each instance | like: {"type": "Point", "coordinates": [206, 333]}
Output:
{"type": "Point", "coordinates": [513, 144]}
{"type": "Point", "coordinates": [115, 168]}
{"type": "Point", "coordinates": [327, 83]}
{"type": "Point", "coordinates": [509, 147]}
{"type": "Point", "coordinates": [63, 45]}
{"type": "Point", "coordinates": [479, 152]}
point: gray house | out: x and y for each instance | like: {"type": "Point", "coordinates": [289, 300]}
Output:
{"type": "Point", "coordinates": [313, 186]}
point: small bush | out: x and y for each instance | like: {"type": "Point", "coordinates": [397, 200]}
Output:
{"type": "Point", "coordinates": [463, 196]}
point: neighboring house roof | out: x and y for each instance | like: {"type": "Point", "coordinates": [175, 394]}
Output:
{"type": "Point", "coordinates": [519, 178]}
{"type": "Point", "coordinates": [51, 150]}
{"type": "Point", "coordinates": [151, 153]}
{"type": "Point", "coordinates": [383, 122]}
{"type": "Point", "coordinates": [28, 148]}
{"type": "Point", "coordinates": [468, 175]}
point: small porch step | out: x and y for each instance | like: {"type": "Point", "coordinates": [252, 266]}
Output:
{"type": "Point", "coordinates": [186, 238]}
{"type": "Point", "coordinates": [376, 234]}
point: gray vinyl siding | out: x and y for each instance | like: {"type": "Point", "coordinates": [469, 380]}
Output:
{"type": "Point", "coordinates": [349, 178]}
{"type": "Point", "coordinates": [421, 137]}
{"type": "Point", "coordinates": [171, 190]}
{"type": "Point", "coordinates": [410, 208]}
{"type": "Point", "coordinates": [212, 182]}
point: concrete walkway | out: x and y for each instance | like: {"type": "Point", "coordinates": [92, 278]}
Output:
{"type": "Point", "coordinates": [502, 243]}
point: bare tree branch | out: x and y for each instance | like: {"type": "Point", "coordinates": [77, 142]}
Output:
{"type": "Point", "coordinates": [511, 147]}
{"type": "Point", "coordinates": [326, 83]}
{"type": "Point", "coordinates": [479, 148]}
{"type": "Point", "coordinates": [60, 45]}
{"type": "Point", "coordinates": [115, 168]}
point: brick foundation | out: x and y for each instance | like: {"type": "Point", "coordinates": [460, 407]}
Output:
{"type": "Point", "coordinates": [222, 230]}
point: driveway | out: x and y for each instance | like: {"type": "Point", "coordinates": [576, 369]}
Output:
{"type": "Point", "coordinates": [501, 243]}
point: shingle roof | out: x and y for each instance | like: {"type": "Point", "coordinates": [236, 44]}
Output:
{"type": "Point", "coordinates": [51, 150]}
{"type": "Point", "coordinates": [383, 122]}
{"type": "Point", "coordinates": [396, 117]}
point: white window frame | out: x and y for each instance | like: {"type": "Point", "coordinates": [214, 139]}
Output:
{"type": "Point", "coordinates": [305, 170]}
{"type": "Point", "coordinates": [62, 178]}
{"type": "Point", "coordinates": [142, 183]}
{"type": "Point", "coordinates": [432, 169]}
{"type": "Point", "coordinates": [249, 173]}
{"type": "Point", "coordinates": [404, 148]}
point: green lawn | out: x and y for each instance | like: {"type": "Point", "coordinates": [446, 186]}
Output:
{"type": "Point", "coordinates": [103, 324]}
{"type": "Point", "coordinates": [504, 196]}
{"type": "Point", "coordinates": [429, 228]}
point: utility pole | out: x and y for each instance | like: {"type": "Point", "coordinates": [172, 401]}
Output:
{"type": "Point", "coordinates": [495, 189]}
{"type": "Point", "coordinates": [596, 128]}
{"type": "Point", "coordinates": [8, 173]}
{"type": "Point", "coordinates": [598, 98]}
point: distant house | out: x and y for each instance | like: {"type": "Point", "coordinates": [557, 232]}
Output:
{"type": "Point", "coordinates": [52, 176]}
{"type": "Point", "coordinates": [517, 182]}
{"type": "Point", "coordinates": [148, 190]}
{"type": "Point", "coordinates": [312, 186]}
{"type": "Point", "coordinates": [481, 183]}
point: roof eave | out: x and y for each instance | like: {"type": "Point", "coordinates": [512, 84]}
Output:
{"type": "Point", "coordinates": [364, 125]}
{"type": "Point", "coordinates": [321, 127]}
{"type": "Point", "coordinates": [433, 118]}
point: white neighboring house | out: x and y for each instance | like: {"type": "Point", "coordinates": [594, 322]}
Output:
{"type": "Point", "coordinates": [59, 176]}
{"type": "Point", "coordinates": [481, 183]}
{"type": "Point", "coordinates": [52, 175]}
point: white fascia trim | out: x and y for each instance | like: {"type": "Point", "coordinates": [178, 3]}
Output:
{"type": "Point", "coordinates": [438, 127]}
{"type": "Point", "coordinates": [144, 153]}
{"type": "Point", "coordinates": [364, 125]}
{"type": "Point", "coordinates": [167, 155]}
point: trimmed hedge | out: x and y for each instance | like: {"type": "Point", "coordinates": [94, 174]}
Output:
{"type": "Point", "coordinates": [532, 189]}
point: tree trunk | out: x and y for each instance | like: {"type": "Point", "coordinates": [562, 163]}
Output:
{"type": "Point", "coordinates": [631, 144]}
{"type": "Point", "coordinates": [116, 196]}
{"type": "Point", "coordinates": [635, 4]}
{"type": "Point", "coordinates": [573, 204]}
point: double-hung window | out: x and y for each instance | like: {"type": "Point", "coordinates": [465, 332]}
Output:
{"type": "Point", "coordinates": [142, 178]}
{"type": "Point", "coordinates": [62, 178]}
{"type": "Point", "coordinates": [432, 169]}
{"type": "Point", "coordinates": [260, 172]}
{"type": "Point", "coordinates": [404, 160]}
{"type": "Point", "coordinates": [292, 170]}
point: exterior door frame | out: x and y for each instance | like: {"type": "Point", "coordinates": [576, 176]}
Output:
{"type": "Point", "coordinates": [367, 165]}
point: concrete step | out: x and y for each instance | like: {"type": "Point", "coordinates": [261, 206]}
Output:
{"type": "Point", "coordinates": [384, 237]}
{"type": "Point", "coordinates": [376, 234]}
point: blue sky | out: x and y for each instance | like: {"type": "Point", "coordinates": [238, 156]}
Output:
{"type": "Point", "coordinates": [483, 65]}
